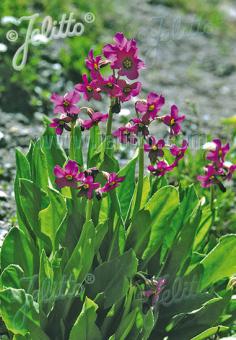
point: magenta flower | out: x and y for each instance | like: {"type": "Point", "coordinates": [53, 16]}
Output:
{"type": "Point", "coordinates": [67, 177]}
{"type": "Point", "coordinates": [110, 87]}
{"type": "Point", "coordinates": [112, 182]}
{"type": "Point", "coordinates": [218, 155]}
{"type": "Point", "coordinates": [151, 106]}
{"type": "Point", "coordinates": [173, 121]}
{"type": "Point", "coordinates": [89, 89]}
{"type": "Point", "coordinates": [124, 56]}
{"type": "Point", "coordinates": [93, 64]}
{"type": "Point", "coordinates": [88, 187]}
{"type": "Point", "coordinates": [210, 176]}
{"type": "Point", "coordinates": [128, 90]}
{"type": "Point", "coordinates": [154, 148]}
{"type": "Point", "coordinates": [126, 134]}
{"type": "Point", "coordinates": [179, 152]}
{"type": "Point", "coordinates": [155, 290]}
{"type": "Point", "coordinates": [229, 169]}
{"type": "Point", "coordinates": [66, 104]}
{"type": "Point", "coordinates": [160, 169]}
{"type": "Point", "coordinates": [96, 117]}
{"type": "Point", "coordinates": [141, 126]}
{"type": "Point", "coordinates": [59, 124]}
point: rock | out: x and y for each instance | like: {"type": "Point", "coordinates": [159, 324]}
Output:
{"type": "Point", "coordinates": [3, 196]}
{"type": "Point", "coordinates": [3, 141]}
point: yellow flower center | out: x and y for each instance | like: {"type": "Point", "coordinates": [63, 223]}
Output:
{"type": "Point", "coordinates": [212, 177]}
{"type": "Point", "coordinates": [112, 183]}
{"type": "Point", "coordinates": [127, 89]}
{"type": "Point", "coordinates": [220, 152]}
{"type": "Point", "coordinates": [127, 63]}
{"type": "Point", "coordinates": [110, 85]}
{"type": "Point", "coordinates": [66, 103]}
{"type": "Point", "coordinates": [172, 122]}
{"type": "Point", "coordinates": [69, 177]}
{"type": "Point", "coordinates": [86, 186]}
{"type": "Point", "coordinates": [61, 122]}
{"type": "Point", "coordinates": [151, 107]}
{"type": "Point", "coordinates": [154, 148]}
{"type": "Point", "coordinates": [96, 66]}
{"type": "Point", "coordinates": [89, 88]}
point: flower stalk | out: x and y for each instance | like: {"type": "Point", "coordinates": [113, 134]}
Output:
{"type": "Point", "coordinates": [140, 176]}
{"type": "Point", "coordinates": [89, 210]}
{"type": "Point", "coordinates": [72, 141]}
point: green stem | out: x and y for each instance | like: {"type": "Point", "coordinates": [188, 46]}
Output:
{"type": "Point", "coordinates": [212, 204]}
{"type": "Point", "coordinates": [109, 126]}
{"type": "Point", "coordinates": [89, 210]}
{"type": "Point", "coordinates": [140, 177]}
{"type": "Point", "coordinates": [72, 141]}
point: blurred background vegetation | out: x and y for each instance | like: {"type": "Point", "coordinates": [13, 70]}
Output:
{"type": "Point", "coordinates": [53, 64]}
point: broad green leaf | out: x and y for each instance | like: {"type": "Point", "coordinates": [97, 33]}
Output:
{"type": "Point", "coordinates": [112, 278]}
{"type": "Point", "coordinates": [53, 216]}
{"type": "Point", "coordinates": [216, 267]}
{"type": "Point", "coordinates": [198, 321]}
{"type": "Point", "coordinates": [11, 277]}
{"type": "Point", "coordinates": [126, 325]}
{"type": "Point", "coordinates": [204, 227]}
{"type": "Point", "coordinates": [18, 250]}
{"type": "Point", "coordinates": [162, 207]}
{"type": "Point", "coordinates": [39, 167]}
{"type": "Point", "coordinates": [100, 232]}
{"type": "Point", "coordinates": [46, 276]}
{"type": "Point", "coordinates": [82, 257]}
{"type": "Point", "coordinates": [54, 153]}
{"type": "Point", "coordinates": [181, 250]}
{"type": "Point", "coordinates": [20, 313]}
{"type": "Point", "coordinates": [125, 190]}
{"type": "Point", "coordinates": [151, 224]}
{"type": "Point", "coordinates": [210, 332]}
{"type": "Point", "coordinates": [22, 171]}
{"type": "Point", "coordinates": [32, 201]}
{"type": "Point", "coordinates": [185, 209]}
{"type": "Point", "coordinates": [78, 147]}
{"type": "Point", "coordinates": [85, 327]}
{"type": "Point", "coordinates": [94, 143]}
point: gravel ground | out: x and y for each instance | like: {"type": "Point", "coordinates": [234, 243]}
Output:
{"type": "Point", "coordinates": [183, 61]}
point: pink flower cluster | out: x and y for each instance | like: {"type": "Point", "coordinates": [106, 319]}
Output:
{"type": "Point", "coordinates": [122, 57]}
{"type": "Point", "coordinates": [84, 181]}
{"type": "Point", "coordinates": [147, 112]}
{"type": "Point", "coordinates": [219, 169]}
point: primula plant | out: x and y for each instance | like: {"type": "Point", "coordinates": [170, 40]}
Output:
{"type": "Point", "coordinates": [108, 252]}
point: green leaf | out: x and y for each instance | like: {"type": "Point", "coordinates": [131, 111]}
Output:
{"type": "Point", "coordinates": [11, 277]}
{"type": "Point", "coordinates": [181, 250]}
{"type": "Point", "coordinates": [46, 276]}
{"type": "Point", "coordinates": [215, 266]}
{"type": "Point", "coordinates": [198, 321]}
{"type": "Point", "coordinates": [54, 154]}
{"type": "Point", "coordinates": [52, 217]}
{"type": "Point", "coordinates": [82, 257]}
{"type": "Point", "coordinates": [32, 201]}
{"type": "Point", "coordinates": [182, 216]}
{"type": "Point", "coordinates": [94, 143]}
{"type": "Point", "coordinates": [20, 313]}
{"type": "Point", "coordinates": [162, 207]}
{"type": "Point", "coordinates": [18, 250]}
{"type": "Point", "coordinates": [39, 167]}
{"type": "Point", "coordinates": [78, 147]}
{"type": "Point", "coordinates": [150, 224]}
{"type": "Point", "coordinates": [100, 233]}
{"type": "Point", "coordinates": [85, 327]}
{"type": "Point", "coordinates": [112, 278]}
{"type": "Point", "coordinates": [126, 325]}
{"type": "Point", "coordinates": [126, 189]}
{"type": "Point", "coordinates": [210, 332]}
